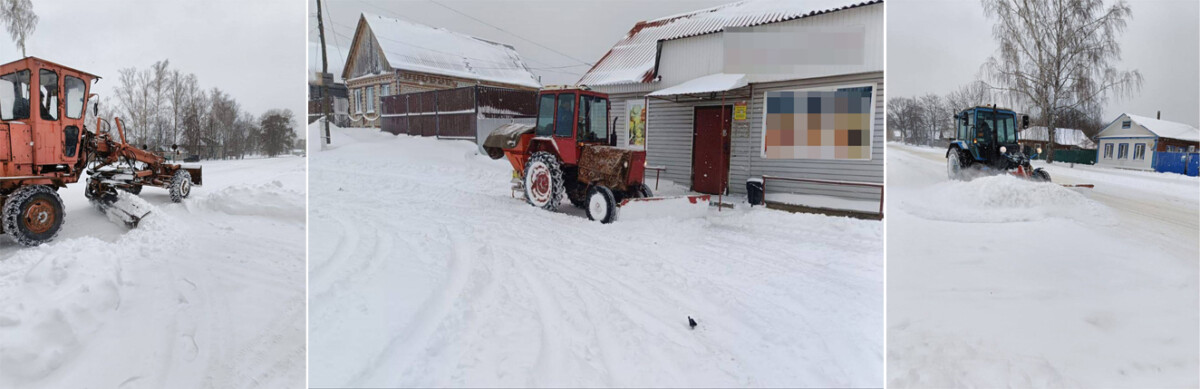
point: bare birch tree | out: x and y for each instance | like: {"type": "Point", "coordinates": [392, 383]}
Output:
{"type": "Point", "coordinates": [1059, 55]}
{"type": "Point", "coordinates": [20, 21]}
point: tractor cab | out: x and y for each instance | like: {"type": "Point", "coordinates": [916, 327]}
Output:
{"type": "Point", "coordinates": [41, 118]}
{"type": "Point", "coordinates": [988, 132]}
{"type": "Point", "coordinates": [986, 143]}
{"type": "Point", "coordinates": [571, 118]}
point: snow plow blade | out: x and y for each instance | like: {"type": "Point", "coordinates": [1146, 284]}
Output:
{"type": "Point", "coordinates": [1089, 186]}
{"type": "Point", "coordinates": [123, 210]}
{"type": "Point", "coordinates": [660, 207]}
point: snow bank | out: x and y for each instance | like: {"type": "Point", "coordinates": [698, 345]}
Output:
{"type": "Point", "coordinates": [1001, 199]}
{"type": "Point", "coordinates": [267, 199]}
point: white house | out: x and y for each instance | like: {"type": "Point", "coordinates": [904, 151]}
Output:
{"type": "Point", "coordinates": [1132, 141]}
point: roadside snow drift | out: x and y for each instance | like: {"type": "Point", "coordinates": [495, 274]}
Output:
{"type": "Point", "coordinates": [207, 293]}
{"type": "Point", "coordinates": [426, 272]}
{"type": "Point", "coordinates": [1000, 282]}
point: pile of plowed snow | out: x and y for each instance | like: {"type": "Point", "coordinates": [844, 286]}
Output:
{"type": "Point", "coordinates": [268, 199]}
{"type": "Point", "coordinates": [1000, 199]}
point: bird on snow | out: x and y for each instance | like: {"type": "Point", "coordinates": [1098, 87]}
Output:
{"type": "Point", "coordinates": [691, 322]}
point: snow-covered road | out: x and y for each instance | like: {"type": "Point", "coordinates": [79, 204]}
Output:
{"type": "Point", "coordinates": [1003, 282]}
{"type": "Point", "coordinates": [424, 271]}
{"type": "Point", "coordinates": [207, 293]}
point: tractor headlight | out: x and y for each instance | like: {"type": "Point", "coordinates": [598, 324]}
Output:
{"type": "Point", "coordinates": [1003, 149]}
{"type": "Point", "coordinates": [626, 164]}
{"type": "Point", "coordinates": [1039, 150]}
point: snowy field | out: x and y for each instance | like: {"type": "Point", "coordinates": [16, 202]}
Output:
{"type": "Point", "coordinates": [1000, 282]}
{"type": "Point", "coordinates": [207, 293]}
{"type": "Point", "coordinates": [425, 272]}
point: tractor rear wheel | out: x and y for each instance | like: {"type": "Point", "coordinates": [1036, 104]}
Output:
{"type": "Point", "coordinates": [33, 214]}
{"type": "Point", "coordinates": [181, 185]}
{"type": "Point", "coordinates": [602, 206]}
{"type": "Point", "coordinates": [543, 181]}
{"type": "Point", "coordinates": [954, 167]}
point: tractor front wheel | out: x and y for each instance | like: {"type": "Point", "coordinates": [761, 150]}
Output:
{"type": "Point", "coordinates": [543, 181]}
{"type": "Point", "coordinates": [33, 214]}
{"type": "Point", "coordinates": [181, 185]}
{"type": "Point", "coordinates": [602, 206]}
{"type": "Point", "coordinates": [1040, 175]}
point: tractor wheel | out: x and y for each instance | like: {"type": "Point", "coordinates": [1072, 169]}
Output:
{"type": "Point", "coordinates": [602, 206]}
{"type": "Point", "coordinates": [954, 166]}
{"type": "Point", "coordinates": [33, 214]}
{"type": "Point", "coordinates": [181, 185]}
{"type": "Point", "coordinates": [640, 191]}
{"type": "Point", "coordinates": [1040, 175]}
{"type": "Point", "coordinates": [134, 189]}
{"type": "Point", "coordinates": [543, 181]}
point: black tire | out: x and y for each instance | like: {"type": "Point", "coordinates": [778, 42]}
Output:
{"type": "Point", "coordinates": [1040, 175]}
{"type": "Point", "coordinates": [954, 165]}
{"type": "Point", "coordinates": [181, 185]}
{"type": "Point", "coordinates": [602, 206]}
{"type": "Point", "coordinates": [641, 191]}
{"type": "Point", "coordinates": [543, 181]}
{"type": "Point", "coordinates": [33, 215]}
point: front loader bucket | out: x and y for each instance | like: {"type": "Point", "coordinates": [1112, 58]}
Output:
{"type": "Point", "coordinates": [663, 207]}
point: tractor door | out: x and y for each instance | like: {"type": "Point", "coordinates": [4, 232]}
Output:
{"type": "Point", "coordinates": [565, 113]}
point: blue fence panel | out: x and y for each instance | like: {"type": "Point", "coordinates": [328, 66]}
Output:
{"type": "Point", "coordinates": [1181, 163]}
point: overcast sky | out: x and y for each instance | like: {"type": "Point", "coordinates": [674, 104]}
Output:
{"type": "Point", "coordinates": [936, 45]}
{"type": "Point", "coordinates": [254, 50]}
{"type": "Point", "coordinates": [584, 30]}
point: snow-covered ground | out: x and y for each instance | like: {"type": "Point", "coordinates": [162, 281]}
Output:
{"type": "Point", "coordinates": [425, 271]}
{"type": "Point", "coordinates": [207, 293]}
{"type": "Point", "coordinates": [1000, 282]}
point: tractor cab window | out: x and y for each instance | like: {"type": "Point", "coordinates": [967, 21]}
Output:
{"type": "Point", "coordinates": [1006, 128]}
{"type": "Point", "coordinates": [593, 117]}
{"type": "Point", "coordinates": [48, 80]}
{"type": "Point", "coordinates": [545, 119]}
{"type": "Point", "coordinates": [75, 91]}
{"type": "Point", "coordinates": [983, 127]}
{"type": "Point", "coordinates": [14, 95]}
{"type": "Point", "coordinates": [564, 114]}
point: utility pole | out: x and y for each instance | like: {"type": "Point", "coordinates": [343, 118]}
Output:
{"type": "Point", "coordinates": [325, 101]}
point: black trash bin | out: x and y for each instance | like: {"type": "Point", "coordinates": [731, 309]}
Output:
{"type": "Point", "coordinates": [754, 191]}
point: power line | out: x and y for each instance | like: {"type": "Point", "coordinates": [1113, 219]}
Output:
{"type": "Point", "coordinates": [510, 33]}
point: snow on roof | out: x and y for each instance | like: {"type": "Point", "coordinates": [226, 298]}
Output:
{"type": "Point", "coordinates": [711, 83]}
{"type": "Point", "coordinates": [1166, 129]}
{"type": "Point", "coordinates": [1062, 136]}
{"type": "Point", "coordinates": [631, 60]}
{"type": "Point", "coordinates": [420, 48]}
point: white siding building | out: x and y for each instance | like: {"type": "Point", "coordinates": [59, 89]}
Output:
{"type": "Point", "coordinates": [684, 68]}
{"type": "Point", "coordinates": [1133, 142]}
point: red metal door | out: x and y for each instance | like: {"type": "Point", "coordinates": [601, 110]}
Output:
{"type": "Point", "coordinates": [710, 149]}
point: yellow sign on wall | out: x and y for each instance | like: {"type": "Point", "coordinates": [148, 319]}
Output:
{"type": "Point", "coordinates": [739, 110]}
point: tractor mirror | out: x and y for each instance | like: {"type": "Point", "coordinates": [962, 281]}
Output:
{"type": "Point", "coordinates": [1024, 121]}
{"type": "Point", "coordinates": [95, 108]}
{"type": "Point", "coordinates": [965, 120]}
{"type": "Point", "coordinates": [174, 147]}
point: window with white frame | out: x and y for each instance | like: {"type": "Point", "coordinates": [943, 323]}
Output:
{"type": "Point", "coordinates": [358, 102]}
{"type": "Point", "coordinates": [1192, 148]}
{"type": "Point", "coordinates": [371, 99]}
{"type": "Point", "coordinates": [1139, 151]}
{"type": "Point", "coordinates": [1126, 124]}
{"type": "Point", "coordinates": [1123, 151]}
{"type": "Point", "coordinates": [1108, 150]}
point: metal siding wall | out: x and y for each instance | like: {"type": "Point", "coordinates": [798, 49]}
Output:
{"type": "Point", "coordinates": [688, 58]}
{"type": "Point", "coordinates": [869, 17]}
{"type": "Point", "coordinates": [669, 144]}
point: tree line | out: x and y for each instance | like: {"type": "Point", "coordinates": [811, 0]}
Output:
{"type": "Point", "coordinates": [161, 107]}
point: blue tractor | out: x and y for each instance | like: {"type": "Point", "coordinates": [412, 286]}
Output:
{"type": "Point", "coordinates": [986, 144]}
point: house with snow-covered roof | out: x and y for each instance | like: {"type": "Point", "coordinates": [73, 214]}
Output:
{"type": "Point", "coordinates": [1137, 142]}
{"type": "Point", "coordinates": [390, 56]}
{"type": "Point", "coordinates": [1064, 138]}
{"type": "Point", "coordinates": [727, 94]}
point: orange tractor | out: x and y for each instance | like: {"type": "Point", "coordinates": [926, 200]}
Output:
{"type": "Point", "coordinates": [568, 153]}
{"type": "Point", "coordinates": [45, 145]}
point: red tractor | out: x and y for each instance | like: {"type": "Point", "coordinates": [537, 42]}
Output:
{"type": "Point", "coordinates": [45, 145]}
{"type": "Point", "coordinates": [568, 152]}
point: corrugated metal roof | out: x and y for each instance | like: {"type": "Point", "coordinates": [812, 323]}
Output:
{"type": "Point", "coordinates": [632, 59]}
{"type": "Point", "coordinates": [421, 48]}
